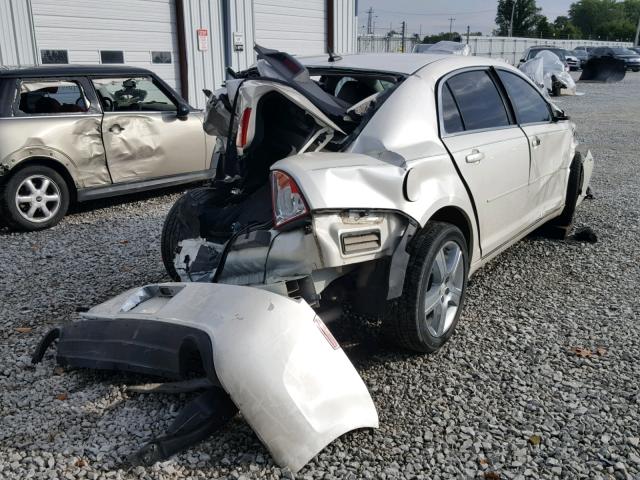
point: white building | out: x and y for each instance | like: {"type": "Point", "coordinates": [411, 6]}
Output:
{"type": "Point", "coordinates": [189, 43]}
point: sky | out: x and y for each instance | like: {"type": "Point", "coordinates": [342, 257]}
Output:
{"type": "Point", "coordinates": [434, 16]}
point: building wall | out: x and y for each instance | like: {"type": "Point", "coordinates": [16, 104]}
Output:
{"type": "Point", "coordinates": [205, 67]}
{"type": "Point", "coordinates": [345, 26]}
{"type": "Point", "coordinates": [135, 27]}
{"type": "Point", "coordinates": [138, 27]}
{"type": "Point", "coordinates": [16, 33]}
{"type": "Point", "coordinates": [298, 27]}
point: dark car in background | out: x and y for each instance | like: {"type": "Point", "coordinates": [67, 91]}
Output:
{"type": "Point", "coordinates": [581, 55]}
{"type": "Point", "coordinates": [630, 57]}
{"type": "Point", "coordinates": [70, 133]}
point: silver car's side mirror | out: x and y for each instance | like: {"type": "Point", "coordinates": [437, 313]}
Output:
{"type": "Point", "coordinates": [183, 110]}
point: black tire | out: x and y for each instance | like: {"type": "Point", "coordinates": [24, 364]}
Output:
{"type": "Point", "coordinates": [176, 229]}
{"type": "Point", "coordinates": [405, 322]}
{"type": "Point", "coordinates": [563, 223]}
{"type": "Point", "coordinates": [14, 215]}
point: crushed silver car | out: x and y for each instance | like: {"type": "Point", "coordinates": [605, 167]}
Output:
{"type": "Point", "coordinates": [382, 181]}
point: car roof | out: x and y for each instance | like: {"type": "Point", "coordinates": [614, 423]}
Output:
{"type": "Point", "coordinates": [69, 70]}
{"type": "Point", "coordinates": [403, 63]}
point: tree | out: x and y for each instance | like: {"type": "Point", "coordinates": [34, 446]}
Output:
{"type": "Point", "coordinates": [606, 19]}
{"type": "Point", "coordinates": [563, 28]}
{"type": "Point", "coordinates": [543, 28]}
{"type": "Point", "coordinates": [455, 36]}
{"type": "Point", "coordinates": [525, 19]}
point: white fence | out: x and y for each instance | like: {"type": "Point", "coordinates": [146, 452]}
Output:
{"type": "Point", "coordinates": [507, 48]}
{"type": "Point", "coordinates": [511, 48]}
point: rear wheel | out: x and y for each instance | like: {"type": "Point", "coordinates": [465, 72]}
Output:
{"type": "Point", "coordinates": [176, 228]}
{"type": "Point", "coordinates": [34, 198]}
{"type": "Point", "coordinates": [426, 314]}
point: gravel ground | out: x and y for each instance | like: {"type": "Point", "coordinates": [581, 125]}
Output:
{"type": "Point", "coordinates": [510, 396]}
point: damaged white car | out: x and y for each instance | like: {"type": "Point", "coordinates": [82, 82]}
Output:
{"type": "Point", "coordinates": [380, 180]}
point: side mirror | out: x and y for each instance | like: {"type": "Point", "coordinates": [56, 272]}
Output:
{"type": "Point", "coordinates": [207, 92]}
{"type": "Point", "coordinates": [183, 111]}
{"type": "Point", "coordinates": [522, 60]}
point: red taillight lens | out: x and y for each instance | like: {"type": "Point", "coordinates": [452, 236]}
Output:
{"type": "Point", "coordinates": [243, 131]}
{"type": "Point", "coordinates": [286, 198]}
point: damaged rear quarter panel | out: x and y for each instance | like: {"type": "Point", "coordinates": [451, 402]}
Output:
{"type": "Point", "coordinates": [74, 141]}
{"type": "Point", "coordinates": [344, 181]}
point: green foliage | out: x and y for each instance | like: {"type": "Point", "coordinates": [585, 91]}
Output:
{"type": "Point", "coordinates": [525, 19]}
{"type": "Point", "coordinates": [606, 19]}
{"type": "Point", "coordinates": [455, 36]}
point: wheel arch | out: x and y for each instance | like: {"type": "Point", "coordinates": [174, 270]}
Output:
{"type": "Point", "coordinates": [50, 163]}
{"type": "Point", "coordinates": [457, 217]}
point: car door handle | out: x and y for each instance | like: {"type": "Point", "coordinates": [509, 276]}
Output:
{"type": "Point", "coordinates": [116, 129]}
{"type": "Point", "coordinates": [535, 142]}
{"type": "Point", "coordinates": [475, 156]}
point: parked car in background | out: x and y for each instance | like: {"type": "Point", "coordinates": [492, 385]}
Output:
{"type": "Point", "coordinates": [71, 133]}
{"type": "Point", "coordinates": [584, 48]}
{"type": "Point", "coordinates": [421, 47]}
{"type": "Point", "coordinates": [531, 53]}
{"type": "Point", "coordinates": [572, 61]}
{"type": "Point", "coordinates": [630, 57]}
{"type": "Point", "coordinates": [581, 55]}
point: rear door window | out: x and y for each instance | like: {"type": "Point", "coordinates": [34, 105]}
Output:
{"type": "Point", "coordinates": [51, 97]}
{"type": "Point", "coordinates": [450, 113]}
{"type": "Point", "coordinates": [478, 100]}
{"type": "Point", "coordinates": [529, 105]}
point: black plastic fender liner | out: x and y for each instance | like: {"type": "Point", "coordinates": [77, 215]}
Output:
{"type": "Point", "coordinates": [135, 345]}
{"type": "Point", "coordinates": [201, 417]}
{"type": "Point", "coordinates": [51, 336]}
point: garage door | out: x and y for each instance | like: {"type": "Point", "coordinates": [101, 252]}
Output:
{"type": "Point", "coordinates": [141, 33]}
{"type": "Point", "coordinates": [298, 27]}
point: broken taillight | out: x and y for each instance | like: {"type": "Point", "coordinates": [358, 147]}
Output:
{"type": "Point", "coordinates": [243, 131]}
{"type": "Point", "coordinates": [287, 199]}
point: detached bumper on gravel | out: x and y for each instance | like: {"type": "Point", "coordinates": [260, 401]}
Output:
{"type": "Point", "coordinates": [272, 355]}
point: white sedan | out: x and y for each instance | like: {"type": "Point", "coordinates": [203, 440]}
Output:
{"type": "Point", "coordinates": [380, 180]}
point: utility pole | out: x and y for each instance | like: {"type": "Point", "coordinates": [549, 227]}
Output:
{"type": "Point", "coordinates": [635, 42]}
{"type": "Point", "coordinates": [370, 21]}
{"type": "Point", "coordinates": [451, 20]}
{"type": "Point", "coordinates": [513, 11]}
{"type": "Point", "coordinates": [468, 33]}
{"type": "Point", "coordinates": [404, 28]}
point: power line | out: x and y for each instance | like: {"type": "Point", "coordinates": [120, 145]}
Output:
{"type": "Point", "coordinates": [436, 14]}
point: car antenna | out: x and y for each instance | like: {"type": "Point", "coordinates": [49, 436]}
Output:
{"type": "Point", "coordinates": [333, 57]}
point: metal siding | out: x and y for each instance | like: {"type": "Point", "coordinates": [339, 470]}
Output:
{"type": "Point", "coordinates": [136, 27]}
{"type": "Point", "coordinates": [242, 22]}
{"type": "Point", "coordinates": [296, 27]}
{"type": "Point", "coordinates": [16, 38]}
{"type": "Point", "coordinates": [206, 68]}
{"type": "Point", "coordinates": [345, 26]}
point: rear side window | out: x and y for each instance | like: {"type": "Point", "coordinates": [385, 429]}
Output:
{"type": "Point", "coordinates": [51, 97]}
{"type": "Point", "coordinates": [450, 113]}
{"type": "Point", "coordinates": [480, 104]}
{"type": "Point", "coordinates": [527, 102]}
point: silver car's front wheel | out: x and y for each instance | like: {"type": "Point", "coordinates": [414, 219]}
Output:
{"type": "Point", "coordinates": [38, 198]}
{"type": "Point", "coordinates": [33, 198]}
{"type": "Point", "coordinates": [426, 314]}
